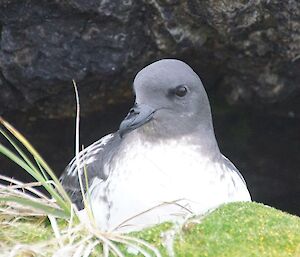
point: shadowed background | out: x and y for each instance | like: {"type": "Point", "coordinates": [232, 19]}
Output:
{"type": "Point", "coordinates": [247, 54]}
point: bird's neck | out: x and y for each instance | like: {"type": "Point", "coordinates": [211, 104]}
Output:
{"type": "Point", "coordinates": [202, 138]}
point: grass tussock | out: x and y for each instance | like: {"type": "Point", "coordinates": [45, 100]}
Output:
{"type": "Point", "coordinates": [233, 230]}
{"type": "Point", "coordinates": [26, 214]}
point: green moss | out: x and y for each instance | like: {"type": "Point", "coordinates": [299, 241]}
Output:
{"type": "Point", "coordinates": [24, 231]}
{"type": "Point", "coordinates": [242, 229]}
{"type": "Point", "coordinates": [154, 236]}
{"type": "Point", "coordinates": [233, 230]}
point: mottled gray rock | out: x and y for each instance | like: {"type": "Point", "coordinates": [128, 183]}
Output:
{"type": "Point", "coordinates": [250, 50]}
{"type": "Point", "coordinates": [44, 45]}
{"type": "Point", "coordinates": [264, 42]}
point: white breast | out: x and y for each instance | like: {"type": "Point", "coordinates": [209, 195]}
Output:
{"type": "Point", "coordinates": [170, 179]}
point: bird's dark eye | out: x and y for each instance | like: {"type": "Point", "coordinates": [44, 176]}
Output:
{"type": "Point", "coordinates": [181, 91]}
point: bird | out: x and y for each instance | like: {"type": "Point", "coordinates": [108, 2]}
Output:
{"type": "Point", "coordinates": [163, 163]}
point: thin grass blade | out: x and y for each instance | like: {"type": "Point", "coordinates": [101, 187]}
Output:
{"type": "Point", "coordinates": [12, 156]}
{"type": "Point", "coordinates": [37, 156]}
{"type": "Point", "coordinates": [34, 204]}
{"type": "Point", "coordinates": [18, 149]}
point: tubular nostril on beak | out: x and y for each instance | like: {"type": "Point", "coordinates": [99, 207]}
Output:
{"type": "Point", "coordinates": [137, 116]}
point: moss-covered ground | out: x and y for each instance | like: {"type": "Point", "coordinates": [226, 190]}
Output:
{"type": "Point", "coordinates": [233, 230]}
{"type": "Point", "coordinates": [242, 229]}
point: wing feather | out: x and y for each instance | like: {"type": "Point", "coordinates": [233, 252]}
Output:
{"type": "Point", "coordinates": [95, 160]}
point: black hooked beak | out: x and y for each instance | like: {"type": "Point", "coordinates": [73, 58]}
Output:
{"type": "Point", "coordinates": [137, 116]}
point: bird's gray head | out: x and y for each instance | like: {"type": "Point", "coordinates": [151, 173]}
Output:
{"type": "Point", "coordinates": [170, 101]}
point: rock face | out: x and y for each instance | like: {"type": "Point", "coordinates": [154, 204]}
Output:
{"type": "Point", "coordinates": [246, 52]}
{"type": "Point", "coordinates": [250, 49]}
{"type": "Point", "coordinates": [46, 44]}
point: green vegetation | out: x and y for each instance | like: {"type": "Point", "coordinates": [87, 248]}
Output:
{"type": "Point", "coordinates": [242, 229]}
{"type": "Point", "coordinates": [233, 230]}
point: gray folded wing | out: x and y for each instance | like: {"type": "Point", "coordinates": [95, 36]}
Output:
{"type": "Point", "coordinates": [231, 167]}
{"type": "Point", "coordinates": [94, 160]}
